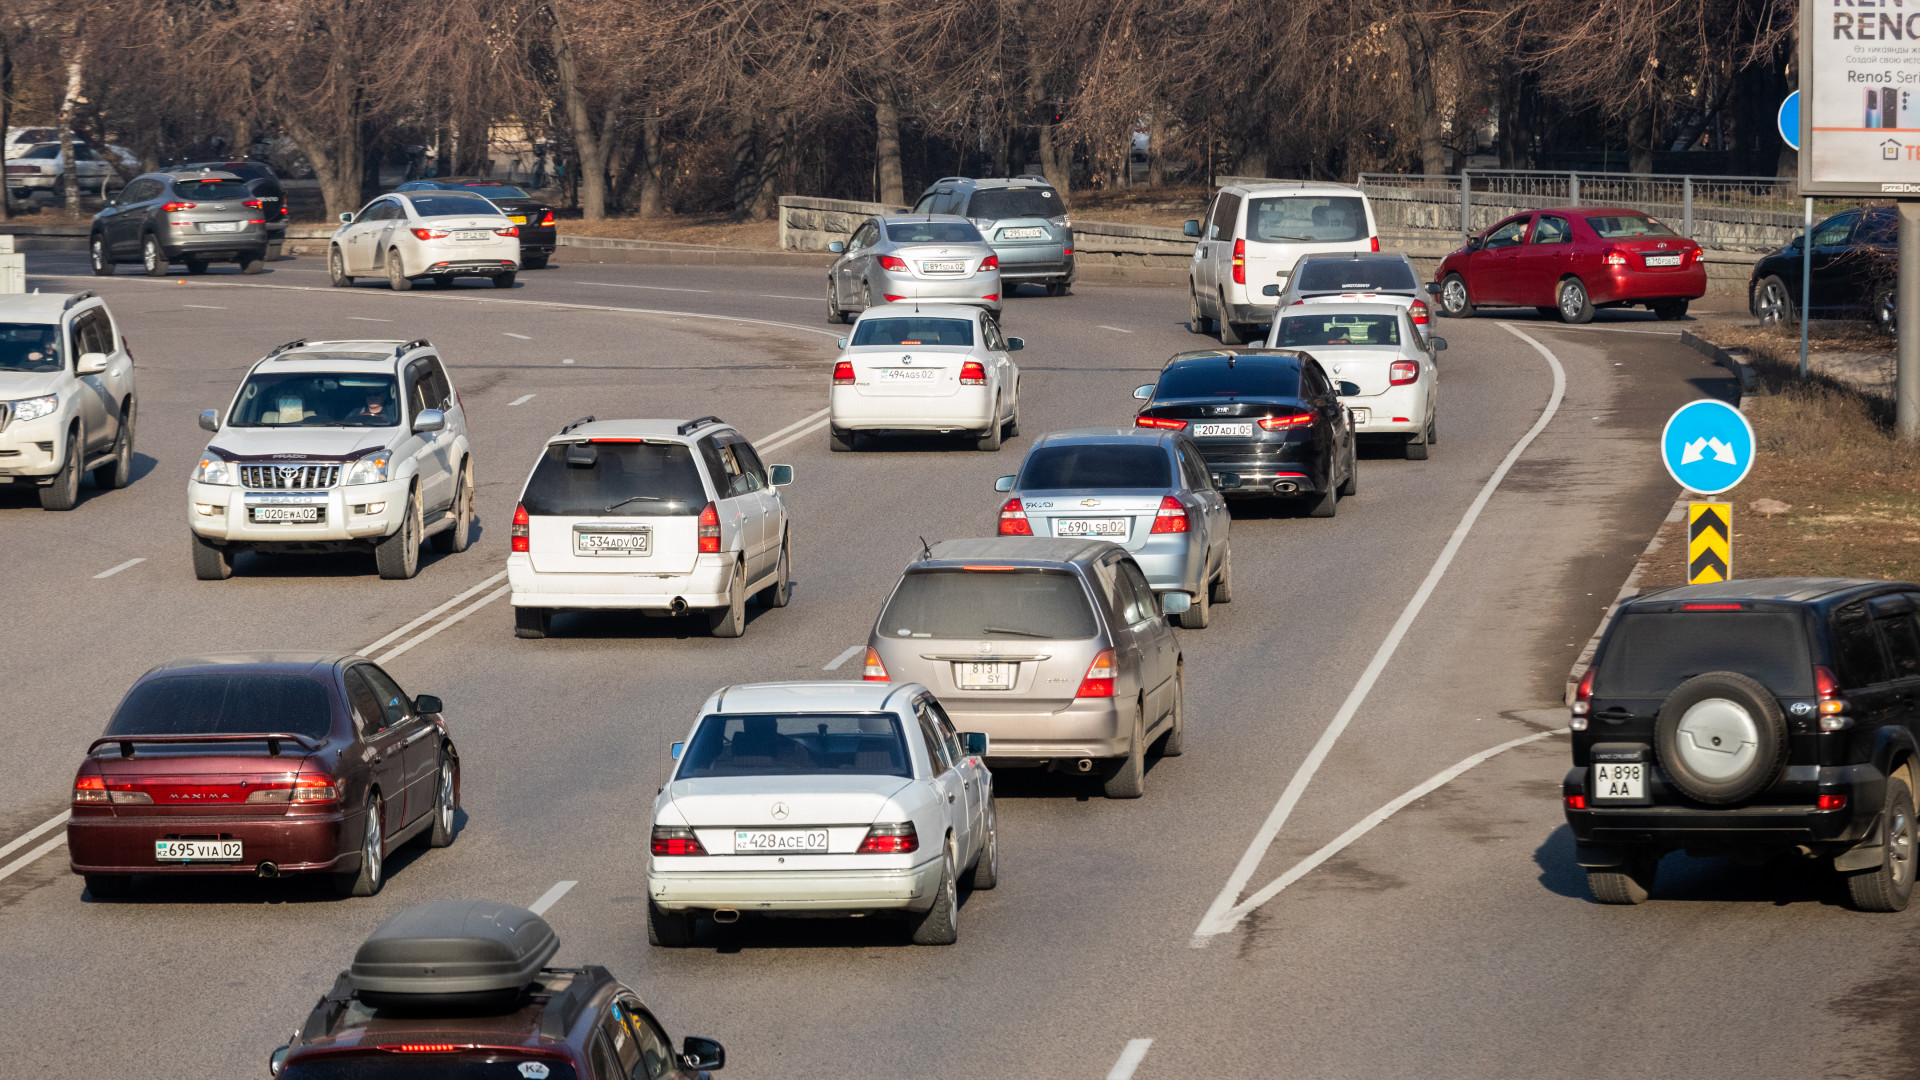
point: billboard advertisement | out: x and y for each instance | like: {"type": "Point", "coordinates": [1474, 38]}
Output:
{"type": "Point", "coordinates": [1860, 97]}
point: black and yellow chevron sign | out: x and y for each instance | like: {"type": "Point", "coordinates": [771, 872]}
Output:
{"type": "Point", "coordinates": [1709, 542]}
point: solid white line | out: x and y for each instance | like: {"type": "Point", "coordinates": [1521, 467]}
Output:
{"type": "Point", "coordinates": [522, 337]}
{"type": "Point", "coordinates": [1221, 916]}
{"type": "Point", "coordinates": [463, 613]}
{"type": "Point", "coordinates": [205, 307]}
{"type": "Point", "coordinates": [551, 897]}
{"type": "Point", "coordinates": [1103, 326]}
{"type": "Point", "coordinates": [852, 651]}
{"type": "Point", "coordinates": [1130, 1059]}
{"type": "Point", "coordinates": [783, 296]}
{"type": "Point", "coordinates": [363, 318]}
{"type": "Point", "coordinates": [32, 834]}
{"type": "Point", "coordinates": [521, 400]}
{"type": "Point", "coordinates": [21, 863]}
{"type": "Point", "coordinates": [117, 569]}
{"type": "Point", "coordinates": [775, 444]}
{"type": "Point", "coordinates": [494, 580]}
{"type": "Point", "coordinates": [797, 424]}
{"type": "Point", "coordinates": [650, 288]}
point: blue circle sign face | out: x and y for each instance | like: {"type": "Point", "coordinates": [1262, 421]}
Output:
{"type": "Point", "coordinates": [1707, 446]}
{"type": "Point", "coordinates": [1789, 120]}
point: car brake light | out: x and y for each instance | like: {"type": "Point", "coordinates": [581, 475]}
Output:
{"type": "Point", "coordinates": [1374, 241]}
{"type": "Point", "coordinates": [1282, 423]}
{"type": "Point", "coordinates": [1831, 802]}
{"type": "Point", "coordinates": [843, 373]}
{"type": "Point", "coordinates": [252, 204]}
{"type": "Point", "coordinates": [1576, 802]}
{"type": "Point", "coordinates": [1172, 517]}
{"type": "Point", "coordinates": [710, 529]}
{"type": "Point", "coordinates": [875, 671]}
{"type": "Point", "coordinates": [891, 298]}
{"type": "Point", "coordinates": [1159, 422]}
{"type": "Point", "coordinates": [1013, 519]}
{"type": "Point", "coordinates": [89, 789]}
{"type": "Point", "coordinates": [897, 838]}
{"type": "Point", "coordinates": [548, 219]}
{"type": "Point", "coordinates": [511, 230]}
{"type": "Point", "coordinates": [673, 840]}
{"type": "Point", "coordinates": [1403, 372]}
{"type": "Point", "coordinates": [1066, 251]}
{"type": "Point", "coordinates": [1239, 262]}
{"type": "Point", "coordinates": [1582, 702]}
{"type": "Point", "coordinates": [430, 234]}
{"type": "Point", "coordinates": [991, 262]}
{"type": "Point", "coordinates": [314, 788]}
{"type": "Point", "coordinates": [1419, 312]}
{"type": "Point", "coordinates": [422, 1048]}
{"type": "Point", "coordinates": [972, 374]}
{"type": "Point", "coordinates": [519, 531]}
{"type": "Point", "coordinates": [168, 208]}
{"type": "Point", "coordinates": [1099, 680]}
{"type": "Point", "coordinates": [1833, 706]}
{"type": "Point", "coordinates": [893, 262]}
{"type": "Point", "coordinates": [1710, 607]}
{"type": "Point", "coordinates": [1615, 257]}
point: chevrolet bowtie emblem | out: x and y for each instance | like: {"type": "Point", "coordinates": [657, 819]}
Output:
{"type": "Point", "coordinates": [1089, 502]}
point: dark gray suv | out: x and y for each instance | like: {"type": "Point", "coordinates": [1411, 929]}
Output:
{"type": "Point", "coordinates": [1023, 218]}
{"type": "Point", "coordinates": [195, 218]}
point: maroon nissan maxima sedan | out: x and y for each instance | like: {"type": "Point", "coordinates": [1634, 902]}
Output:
{"type": "Point", "coordinates": [266, 764]}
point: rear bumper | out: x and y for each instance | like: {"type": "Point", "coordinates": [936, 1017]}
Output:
{"type": "Point", "coordinates": [705, 586]}
{"type": "Point", "coordinates": [968, 290]}
{"type": "Point", "coordinates": [857, 408]}
{"type": "Point", "coordinates": [1250, 314]}
{"type": "Point", "coordinates": [178, 243]}
{"type": "Point", "coordinates": [1033, 262]}
{"type": "Point", "coordinates": [1088, 728]}
{"type": "Point", "coordinates": [1624, 284]}
{"type": "Point", "coordinates": [1399, 401]}
{"type": "Point", "coordinates": [310, 843]}
{"type": "Point", "coordinates": [1788, 820]}
{"type": "Point", "coordinates": [797, 890]}
{"type": "Point", "coordinates": [1174, 562]}
{"type": "Point", "coordinates": [1293, 463]}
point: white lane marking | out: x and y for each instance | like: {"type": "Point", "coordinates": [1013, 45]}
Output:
{"type": "Point", "coordinates": [551, 897]}
{"type": "Point", "coordinates": [650, 288]}
{"type": "Point", "coordinates": [22, 862]}
{"type": "Point", "coordinates": [1130, 1059]}
{"type": "Point", "coordinates": [117, 569]}
{"type": "Point", "coordinates": [449, 621]}
{"type": "Point", "coordinates": [1103, 326]}
{"type": "Point", "coordinates": [852, 651]}
{"type": "Point", "coordinates": [783, 296]}
{"type": "Point", "coordinates": [521, 400]}
{"type": "Point", "coordinates": [1613, 330]}
{"type": "Point", "coordinates": [568, 360]}
{"type": "Point", "coordinates": [363, 318]}
{"type": "Point", "coordinates": [797, 424]}
{"type": "Point", "coordinates": [33, 834]}
{"type": "Point", "coordinates": [811, 427]}
{"type": "Point", "coordinates": [1365, 825]}
{"type": "Point", "coordinates": [522, 337]}
{"type": "Point", "coordinates": [205, 307]}
{"type": "Point", "coordinates": [494, 580]}
{"type": "Point", "coordinates": [1222, 915]}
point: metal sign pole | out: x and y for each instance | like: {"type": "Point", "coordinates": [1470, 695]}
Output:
{"type": "Point", "coordinates": [1806, 283]}
{"type": "Point", "coordinates": [1907, 357]}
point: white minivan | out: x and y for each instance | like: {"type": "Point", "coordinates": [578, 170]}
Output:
{"type": "Point", "coordinates": [1252, 237]}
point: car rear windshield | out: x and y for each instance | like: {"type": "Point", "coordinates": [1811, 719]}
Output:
{"type": "Point", "coordinates": [934, 232]}
{"type": "Point", "coordinates": [385, 1065]}
{"type": "Point", "coordinates": [1651, 653]}
{"type": "Point", "coordinates": [999, 204]}
{"type": "Point", "coordinates": [498, 191]}
{"type": "Point", "coordinates": [1213, 378]}
{"type": "Point", "coordinates": [232, 703]}
{"type": "Point", "coordinates": [1312, 219]}
{"type": "Point", "coordinates": [1627, 226]}
{"type": "Point", "coordinates": [450, 204]}
{"type": "Point", "coordinates": [781, 744]}
{"type": "Point", "coordinates": [1008, 602]}
{"type": "Point", "coordinates": [1340, 330]}
{"type": "Point", "coordinates": [316, 399]}
{"type": "Point", "coordinates": [1085, 466]}
{"type": "Point", "coordinates": [212, 189]}
{"type": "Point", "coordinates": [617, 479]}
{"type": "Point", "coordinates": [29, 347]}
{"type": "Point", "coordinates": [1347, 275]}
{"type": "Point", "coordinates": [914, 331]}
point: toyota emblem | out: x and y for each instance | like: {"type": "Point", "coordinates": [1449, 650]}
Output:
{"type": "Point", "coordinates": [780, 811]}
{"type": "Point", "coordinates": [289, 473]}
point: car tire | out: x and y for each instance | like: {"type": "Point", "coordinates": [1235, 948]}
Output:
{"type": "Point", "coordinates": [839, 440]}
{"type": "Point", "coordinates": [211, 562]}
{"type": "Point", "coordinates": [1433, 431]}
{"type": "Point", "coordinates": [777, 594]}
{"type": "Point", "coordinates": [1230, 333]}
{"type": "Point", "coordinates": [397, 279]}
{"type": "Point", "coordinates": [1200, 614]}
{"type": "Point", "coordinates": [1630, 883]}
{"type": "Point", "coordinates": [1773, 303]}
{"type": "Point", "coordinates": [532, 623]}
{"type": "Point", "coordinates": [1174, 742]}
{"type": "Point", "coordinates": [446, 803]}
{"type": "Point", "coordinates": [1572, 302]}
{"type": "Point", "coordinates": [940, 924]}
{"type": "Point", "coordinates": [834, 315]}
{"type": "Point", "coordinates": [397, 557]}
{"type": "Point", "coordinates": [1455, 301]}
{"type": "Point", "coordinates": [989, 440]}
{"type": "Point", "coordinates": [1883, 315]}
{"type": "Point", "coordinates": [504, 281]}
{"type": "Point", "coordinates": [984, 874]}
{"type": "Point", "coordinates": [152, 260]}
{"type": "Point", "coordinates": [1012, 430]}
{"type": "Point", "coordinates": [1351, 485]}
{"type": "Point", "coordinates": [366, 881]}
{"type": "Point", "coordinates": [1197, 321]}
{"type": "Point", "coordinates": [1669, 310]}
{"type": "Point", "coordinates": [731, 621]}
{"type": "Point", "coordinates": [668, 929]}
{"type": "Point", "coordinates": [460, 537]}
{"type": "Point", "coordinates": [866, 296]}
{"type": "Point", "coordinates": [118, 473]}
{"type": "Point", "coordinates": [1416, 448]}
{"type": "Point", "coordinates": [254, 262]}
{"type": "Point", "coordinates": [1127, 777]}
{"type": "Point", "coordinates": [1715, 706]}
{"type": "Point", "coordinates": [534, 262]}
{"type": "Point", "coordinates": [1325, 505]}
{"type": "Point", "coordinates": [337, 269]}
{"type": "Point", "coordinates": [97, 251]}
{"type": "Point", "coordinates": [1889, 886]}
{"type": "Point", "coordinates": [1222, 587]}
{"type": "Point", "coordinates": [64, 492]}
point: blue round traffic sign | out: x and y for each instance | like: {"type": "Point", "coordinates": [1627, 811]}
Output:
{"type": "Point", "coordinates": [1707, 446]}
{"type": "Point", "coordinates": [1789, 120]}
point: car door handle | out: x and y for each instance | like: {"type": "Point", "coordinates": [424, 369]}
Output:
{"type": "Point", "coordinates": [949, 797]}
{"type": "Point", "coordinates": [417, 736]}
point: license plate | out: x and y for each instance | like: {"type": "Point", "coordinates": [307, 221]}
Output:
{"type": "Point", "coordinates": [984, 675]}
{"type": "Point", "coordinates": [1663, 260]}
{"type": "Point", "coordinates": [1242, 430]}
{"type": "Point", "coordinates": [1090, 527]}
{"type": "Point", "coordinates": [517, 219]}
{"type": "Point", "coordinates": [637, 542]}
{"type": "Point", "coordinates": [1022, 234]}
{"type": "Point", "coordinates": [472, 234]}
{"type": "Point", "coordinates": [219, 226]}
{"type": "Point", "coordinates": [287, 515]}
{"type": "Point", "coordinates": [1361, 416]}
{"type": "Point", "coordinates": [196, 851]}
{"type": "Point", "coordinates": [906, 375]}
{"type": "Point", "coordinates": [949, 267]}
{"type": "Point", "coordinates": [1619, 780]}
{"type": "Point", "coordinates": [758, 841]}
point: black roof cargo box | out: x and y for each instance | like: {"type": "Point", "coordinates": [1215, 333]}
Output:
{"type": "Point", "coordinates": [452, 953]}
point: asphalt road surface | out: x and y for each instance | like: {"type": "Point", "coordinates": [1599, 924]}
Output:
{"type": "Point", "coordinates": [1433, 620]}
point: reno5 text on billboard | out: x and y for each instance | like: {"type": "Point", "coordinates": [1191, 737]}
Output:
{"type": "Point", "coordinates": [1860, 78]}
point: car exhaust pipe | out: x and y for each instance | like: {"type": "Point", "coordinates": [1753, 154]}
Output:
{"type": "Point", "coordinates": [268, 869]}
{"type": "Point", "coordinates": [1084, 765]}
{"type": "Point", "coordinates": [679, 605]}
{"type": "Point", "coordinates": [1285, 487]}
{"type": "Point", "coordinates": [726, 915]}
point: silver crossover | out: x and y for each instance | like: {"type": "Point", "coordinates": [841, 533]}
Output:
{"type": "Point", "coordinates": [926, 257]}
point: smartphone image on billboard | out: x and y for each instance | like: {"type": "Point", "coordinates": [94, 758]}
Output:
{"type": "Point", "coordinates": [1873, 107]}
{"type": "Point", "coordinates": [1889, 107]}
{"type": "Point", "coordinates": [1908, 117]}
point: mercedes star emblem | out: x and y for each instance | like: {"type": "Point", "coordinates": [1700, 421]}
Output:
{"type": "Point", "coordinates": [780, 811]}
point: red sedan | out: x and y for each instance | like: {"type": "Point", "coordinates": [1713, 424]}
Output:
{"type": "Point", "coordinates": [1570, 261]}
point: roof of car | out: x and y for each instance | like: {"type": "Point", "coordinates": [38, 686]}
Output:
{"type": "Point", "coordinates": [835, 696]}
{"type": "Point", "coordinates": [1028, 180]}
{"type": "Point", "coordinates": [908, 308]}
{"type": "Point", "coordinates": [633, 429]}
{"type": "Point", "coordinates": [202, 174]}
{"type": "Point", "coordinates": [286, 661]}
{"type": "Point", "coordinates": [1249, 353]}
{"type": "Point", "coordinates": [543, 1019]}
{"type": "Point", "coordinates": [1354, 307]}
{"type": "Point", "coordinates": [36, 306]}
{"type": "Point", "coordinates": [921, 219]}
{"type": "Point", "coordinates": [1298, 187]}
{"type": "Point", "coordinates": [1350, 256]}
{"type": "Point", "coordinates": [369, 355]}
{"type": "Point", "coordinates": [1801, 590]}
{"type": "Point", "coordinates": [1032, 550]}
{"type": "Point", "coordinates": [1105, 435]}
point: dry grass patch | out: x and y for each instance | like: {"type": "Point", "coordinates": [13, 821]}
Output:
{"type": "Point", "coordinates": [716, 230]}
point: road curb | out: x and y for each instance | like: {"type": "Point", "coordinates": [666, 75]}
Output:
{"type": "Point", "coordinates": [1734, 360]}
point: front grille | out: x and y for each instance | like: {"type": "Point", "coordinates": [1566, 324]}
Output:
{"type": "Point", "coordinates": [6, 415]}
{"type": "Point", "coordinates": [289, 477]}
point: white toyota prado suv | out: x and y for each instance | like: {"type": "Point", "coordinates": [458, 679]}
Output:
{"type": "Point", "coordinates": [335, 446]}
{"type": "Point", "coordinates": [66, 396]}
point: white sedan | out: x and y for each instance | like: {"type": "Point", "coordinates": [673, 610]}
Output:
{"type": "Point", "coordinates": [802, 798]}
{"type": "Point", "coordinates": [437, 235]}
{"type": "Point", "coordinates": [927, 368]}
{"type": "Point", "coordinates": [1385, 369]}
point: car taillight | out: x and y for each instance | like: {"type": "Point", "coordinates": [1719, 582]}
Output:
{"type": "Point", "coordinates": [252, 204]}
{"type": "Point", "coordinates": [168, 208]}
{"type": "Point", "coordinates": [518, 533]}
{"type": "Point", "coordinates": [1374, 241]}
{"type": "Point", "coordinates": [1582, 702]}
{"type": "Point", "coordinates": [1239, 262]}
{"type": "Point", "coordinates": [874, 671]}
{"type": "Point", "coordinates": [891, 298]}
{"type": "Point", "coordinates": [511, 230]}
{"type": "Point", "coordinates": [424, 1048]}
{"type": "Point", "coordinates": [314, 788]}
{"type": "Point", "coordinates": [548, 219]}
{"type": "Point", "coordinates": [1283, 423]}
{"type": "Point", "coordinates": [991, 262]}
{"type": "Point", "coordinates": [994, 296]}
{"type": "Point", "coordinates": [1172, 517]}
{"type": "Point", "coordinates": [1419, 312]}
{"type": "Point", "coordinates": [1013, 519]}
{"type": "Point", "coordinates": [893, 262]}
{"type": "Point", "coordinates": [1693, 256]}
{"type": "Point", "coordinates": [430, 234]}
{"type": "Point", "coordinates": [1403, 372]}
{"type": "Point", "coordinates": [89, 789]}
{"type": "Point", "coordinates": [710, 529]}
{"type": "Point", "coordinates": [674, 840]}
{"type": "Point", "coordinates": [1159, 422]}
{"type": "Point", "coordinates": [1831, 802]}
{"type": "Point", "coordinates": [1576, 802]}
{"type": "Point", "coordinates": [1833, 706]}
{"type": "Point", "coordinates": [897, 838]}
{"type": "Point", "coordinates": [1615, 257]}
{"type": "Point", "coordinates": [972, 374]}
{"type": "Point", "coordinates": [843, 373]}
{"type": "Point", "coordinates": [1099, 680]}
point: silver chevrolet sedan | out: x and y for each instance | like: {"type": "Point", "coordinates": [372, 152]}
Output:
{"type": "Point", "coordinates": [1147, 490]}
{"type": "Point", "coordinates": [939, 257]}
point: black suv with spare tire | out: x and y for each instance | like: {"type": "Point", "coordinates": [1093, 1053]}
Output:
{"type": "Point", "coordinates": [1752, 719]}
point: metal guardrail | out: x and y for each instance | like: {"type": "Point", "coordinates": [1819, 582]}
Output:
{"type": "Point", "coordinates": [1665, 196]}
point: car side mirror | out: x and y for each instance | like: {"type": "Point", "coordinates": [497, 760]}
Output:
{"type": "Point", "coordinates": [277, 1060]}
{"type": "Point", "coordinates": [1005, 483]}
{"type": "Point", "coordinates": [426, 705]}
{"type": "Point", "coordinates": [1015, 344]}
{"type": "Point", "coordinates": [113, 202]}
{"type": "Point", "coordinates": [92, 363]}
{"type": "Point", "coordinates": [1144, 393]}
{"type": "Point", "coordinates": [697, 1053]}
{"type": "Point", "coordinates": [209, 420]}
{"type": "Point", "coordinates": [429, 420]}
{"type": "Point", "coordinates": [840, 343]}
{"type": "Point", "coordinates": [1191, 228]}
{"type": "Point", "coordinates": [781, 475]}
{"type": "Point", "coordinates": [1439, 344]}
{"type": "Point", "coordinates": [1475, 244]}
{"type": "Point", "coordinates": [1175, 603]}
{"type": "Point", "coordinates": [1433, 288]}
{"type": "Point", "coordinates": [1226, 481]}
{"type": "Point", "coordinates": [346, 219]}
{"type": "Point", "coordinates": [677, 749]}
{"type": "Point", "coordinates": [1270, 290]}
{"type": "Point", "coordinates": [976, 742]}
{"type": "Point", "coordinates": [837, 247]}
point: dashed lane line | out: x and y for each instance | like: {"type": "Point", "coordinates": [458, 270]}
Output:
{"type": "Point", "coordinates": [650, 288]}
{"type": "Point", "coordinates": [24, 861]}
{"type": "Point", "coordinates": [1115, 329]}
{"type": "Point", "coordinates": [363, 318]}
{"type": "Point", "coordinates": [852, 651]}
{"type": "Point", "coordinates": [1130, 1059]}
{"type": "Point", "coordinates": [205, 307]}
{"type": "Point", "coordinates": [130, 563]}
{"type": "Point", "coordinates": [33, 834]}
{"type": "Point", "coordinates": [521, 400]}
{"type": "Point", "coordinates": [522, 337]}
{"type": "Point", "coordinates": [398, 650]}
{"type": "Point", "coordinates": [551, 897]}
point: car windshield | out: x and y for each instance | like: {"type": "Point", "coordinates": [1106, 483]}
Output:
{"type": "Point", "coordinates": [1651, 653]}
{"type": "Point", "coordinates": [1340, 330]}
{"type": "Point", "coordinates": [999, 204]}
{"type": "Point", "coordinates": [934, 232]}
{"type": "Point", "coordinates": [498, 191]}
{"type": "Point", "coordinates": [1318, 219]}
{"type": "Point", "coordinates": [450, 204]}
{"type": "Point", "coordinates": [913, 331]}
{"type": "Point", "coordinates": [30, 347]}
{"type": "Point", "coordinates": [617, 479]}
{"type": "Point", "coordinates": [1088, 466]}
{"type": "Point", "coordinates": [1213, 378]}
{"type": "Point", "coordinates": [316, 399]}
{"type": "Point", "coordinates": [1627, 226]}
{"type": "Point", "coordinates": [234, 703]}
{"type": "Point", "coordinates": [1347, 275]}
{"type": "Point", "coordinates": [1004, 602]}
{"type": "Point", "coordinates": [796, 744]}
{"type": "Point", "coordinates": [211, 189]}
{"type": "Point", "coordinates": [471, 1065]}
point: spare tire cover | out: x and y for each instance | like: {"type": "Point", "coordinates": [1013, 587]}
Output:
{"type": "Point", "coordinates": [1721, 737]}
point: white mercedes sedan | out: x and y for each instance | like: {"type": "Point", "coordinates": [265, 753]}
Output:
{"type": "Point", "coordinates": [809, 798]}
{"type": "Point", "coordinates": [927, 368]}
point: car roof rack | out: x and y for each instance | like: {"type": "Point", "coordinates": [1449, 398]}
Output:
{"type": "Point", "coordinates": [1031, 176]}
{"type": "Point", "coordinates": [577, 423]}
{"type": "Point", "coordinates": [416, 343]}
{"type": "Point", "coordinates": [692, 426]}
{"type": "Point", "coordinates": [278, 349]}
{"type": "Point", "coordinates": [953, 179]}
{"type": "Point", "coordinates": [76, 298]}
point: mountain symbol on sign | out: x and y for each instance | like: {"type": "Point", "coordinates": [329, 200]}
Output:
{"type": "Point", "coordinates": [1703, 448]}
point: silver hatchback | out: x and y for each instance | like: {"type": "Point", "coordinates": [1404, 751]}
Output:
{"type": "Point", "coordinates": [1057, 649]}
{"type": "Point", "coordinates": [1148, 491]}
{"type": "Point", "coordinates": [936, 257]}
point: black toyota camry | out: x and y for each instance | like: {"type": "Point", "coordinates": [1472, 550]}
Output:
{"type": "Point", "coordinates": [1269, 416]}
{"type": "Point", "coordinates": [533, 215]}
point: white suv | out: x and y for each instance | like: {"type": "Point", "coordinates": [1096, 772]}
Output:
{"type": "Point", "coordinates": [335, 446]}
{"type": "Point", "coordinates": [649, 515]}
{"type": "Point", "coordinates": [1251, 239]}
{"type": "Point", "coordinates": [66, 396]}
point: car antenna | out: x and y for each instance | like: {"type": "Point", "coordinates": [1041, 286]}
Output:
{"type": "Point", "coordinates": [926, 552]}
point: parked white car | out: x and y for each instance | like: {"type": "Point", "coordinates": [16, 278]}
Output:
{"type": "Point", "coordinates": [658, 516]}
{"type": "Point", "coordinates": [335, 446]}
{"type": "Point", "coordinates": [1251, 239]}
{"type": "Point", "coordinates": [66, 396]}
{"type": "Point", "coordinates": [40, 168]}
{"type": "Point", "coordinates": [1384, 368]}
{"type": "Point", "coordinates": [925, 368]}
{"type": "Point", "coordinates": [436, 235]}
{"type": "Point", "coordinates": [807, 798]}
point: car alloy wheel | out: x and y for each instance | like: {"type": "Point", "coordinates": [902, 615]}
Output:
{"type": "Point", "coordinates": [1773, 305]}
{"type": "Point", "coordinates": [1453, 296]}
{"type": "Point", "coordinates": [337, 269]}
{"type": "Point", "coordinates": [101, 266]}
{"type": "Point", "coordinates": [443, 809]}
{"type": "Point", "coordinates": [151, 257]}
